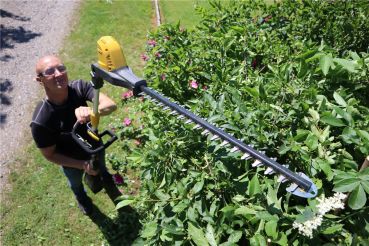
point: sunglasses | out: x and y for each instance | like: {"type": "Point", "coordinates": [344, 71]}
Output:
{"type": "Point", "coordinates": [51, 70]}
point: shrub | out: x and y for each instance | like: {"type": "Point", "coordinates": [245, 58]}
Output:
{"type": "Point", "coordinates": [289, 78]}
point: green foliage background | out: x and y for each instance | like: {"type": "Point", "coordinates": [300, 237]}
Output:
{"type": "Point", "coordinates": [289, 78]}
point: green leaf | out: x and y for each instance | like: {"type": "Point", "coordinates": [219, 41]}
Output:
{"type": "Point", "coordinates": [264, 215]}
{"type": "Point", "coordinates": [339, 99]}
{"type": "Point", "coordinates": [254, 92]}
{"type": "Point", "coordinates": [161, 195]}
{"type": "Point", "coordinates": [331, 120]}
{"type": "Point", "coordinates": [325, 63]}
{"type": "Point", "coordinates": [235, 236]}
{"type": "Point", "coordinates": [346, 185]}
{"type": "Point", "coordinates": [324, 135]}
{"type": "Point", "coordinates": [254, 186]}
{"type": "Point", "coordinates": [343, 114]}
{"type": "Point", "coordinates": [197, 235]}
{"type": "Point", "coordinates": [314, 114]}
{"type": "Point", "coordinates": [228, 211]}
{"type": "Point", "coordinates": [363, 134]}
{"type": "Point", "coordinates": [333, 229]}
{"type": "Point", "coordinates": [210, 235]}
{"type": "Point", "coordinates": [346, 64]}
{"type": "Point", "coordinates": [365, 185]}
{"type": "Point", "coordinates": [283, 239]}
{"type": "Point", "coordinates": [312, 142]}
{"type": "Point", "coordinates": [301, 134]}
{"type": "Point", "coordinates": [198, 186]}
{"type": "Point", "coordinates": [271, 229]}
{"type": "Point", "coordinates": [364, 174]}
{"type": "Point", "coordinates": [258, 240]}
{"type": "Point", "coordinates": [243, 210]}
{"type": "Point", "coordinates": [324, 165]}
{"type": "Point", "coordinates": [149, 230]}
{"type": "Point", "coordinates": [272, 198]}
{"type": "Point", "coordinates": [180, 207]}
{"type": "Point", "coordinates": [124, 203]}
{"type": "Point", "coordinates": [308, 214]}
{"type": "Point", "coordinates": [357, 198]}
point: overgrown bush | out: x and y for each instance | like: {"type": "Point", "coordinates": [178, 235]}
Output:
{"type": "Point", "coordinates": [289, 78]}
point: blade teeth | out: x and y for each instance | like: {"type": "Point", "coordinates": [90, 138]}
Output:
{"type": "Point", "coordinates": [173, 113]}
{"type": "Point", "coordinates": [180, 117]}
{"type": "Point", "coordinates": [282, 179]}
{"type": "Point", "coordinates": [205, 132]}
{"type": "Point", "coordinates": [224, 143]}
{"type": "Point", "coordinates": [214, 137]}
{"type": "Point", "coordinates": [234, 149]}
{"type": "Point", "coordinates": [166, 108]}
{"type": "Point", "coordinates": [269, 171]}
{"type": "Point", "coordinates": [188, 121]}
{"type": "Point", "coordinates": [196, 127]}
{"type": "Point", "coordinates": [257, 163]}
{"type": "Point", "coordinates": [160, 104]}
{"type": "Point", "coordinates": [246, 156]}
{"type": "Point", "coordinates": [292, 187]}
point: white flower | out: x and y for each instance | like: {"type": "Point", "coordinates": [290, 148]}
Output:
{"type": "Point", "coordinates": [306, 228]}
{"type": "Point", "coordinates": [324, 206]}
{"type": "Point", "coordinates": [327, 204]}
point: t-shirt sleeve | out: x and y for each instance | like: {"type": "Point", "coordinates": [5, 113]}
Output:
{"type": "Point", "coordinates": [43, 137]}
{"type": "Point", "coordinates": [84, 89]}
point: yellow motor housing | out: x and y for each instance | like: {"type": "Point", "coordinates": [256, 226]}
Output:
{"type": "Point", "coordinates": [110, 54]}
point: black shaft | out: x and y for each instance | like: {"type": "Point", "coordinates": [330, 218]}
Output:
{"type": "Point", "coordinates": [301, 182]}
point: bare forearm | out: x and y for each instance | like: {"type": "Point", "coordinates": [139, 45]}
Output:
{"type": "Point", "coordinates": [66, 161]}
{"type": "Point", "coordinates": [106, 109]}
{"type": "Point", "coordinates": [106, 105]}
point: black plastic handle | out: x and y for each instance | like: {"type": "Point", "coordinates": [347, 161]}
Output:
{"type": "Point", "coordinates": [87, 143]}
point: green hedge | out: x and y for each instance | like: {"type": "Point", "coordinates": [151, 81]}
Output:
{"type": "Point", "coordinates": [289, 78]}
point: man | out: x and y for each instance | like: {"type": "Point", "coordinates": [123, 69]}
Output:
{"type": "Point", "coordinates": [53, 120]}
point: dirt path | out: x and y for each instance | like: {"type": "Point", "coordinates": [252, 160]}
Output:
{"type": "Point", "coordinates": [29, 30]}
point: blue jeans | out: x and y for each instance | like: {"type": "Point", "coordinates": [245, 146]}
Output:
{"type": "Point", "coordinates": [75, 175]}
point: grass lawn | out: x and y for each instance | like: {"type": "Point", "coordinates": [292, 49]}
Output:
{"type": "Point", "coordinates": [181, 10]}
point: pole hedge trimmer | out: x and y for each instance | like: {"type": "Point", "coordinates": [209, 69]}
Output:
{"type": "Point", "coordinates": [112, 67]}
{"type": "Point", "coordinates": [91, 140]}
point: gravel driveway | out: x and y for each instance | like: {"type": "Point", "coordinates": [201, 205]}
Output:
{"type": "Point", "coordinates": [29, 30]}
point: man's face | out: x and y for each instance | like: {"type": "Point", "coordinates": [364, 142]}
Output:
{"type": "Point", "coordinates": [52, 74]}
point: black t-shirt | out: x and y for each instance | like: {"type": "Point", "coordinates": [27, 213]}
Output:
{"type": "Point", "coordinates": [52, 124]}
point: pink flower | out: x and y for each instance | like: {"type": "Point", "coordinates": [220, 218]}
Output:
{"type": "Point", "coordinates": [254, 63]}
{"type": "Point", "coordinates": [163, 77]}
{"type": "Point", "coordinates": [204, 87]}
{"type": "Point", "coordinates": [157, 54]}
{"type": "Point", "coordinates": [127, 121]}
{"type": "Point", "coordinates": [194, 84]}
{"type": "Point", "coordinates": [118, 179]}
{"type": "Point", "coordinates": [266, 19]}
{"type": "Point", "coordinates": [151, 42]}
{"type": "Point", "coordinates": [144, 57]}
{"type": "Point", "coordinates": [127, 94]}
{"type": "Point", "coordinates": [166, 38]}
{"type": "Point", "coordinates": [136, 142]}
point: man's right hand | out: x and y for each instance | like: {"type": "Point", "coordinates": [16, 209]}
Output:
{"type": "Point", "coordinates": [83, 114]}
{"type": "Point", "coordinates": [89, 170]}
